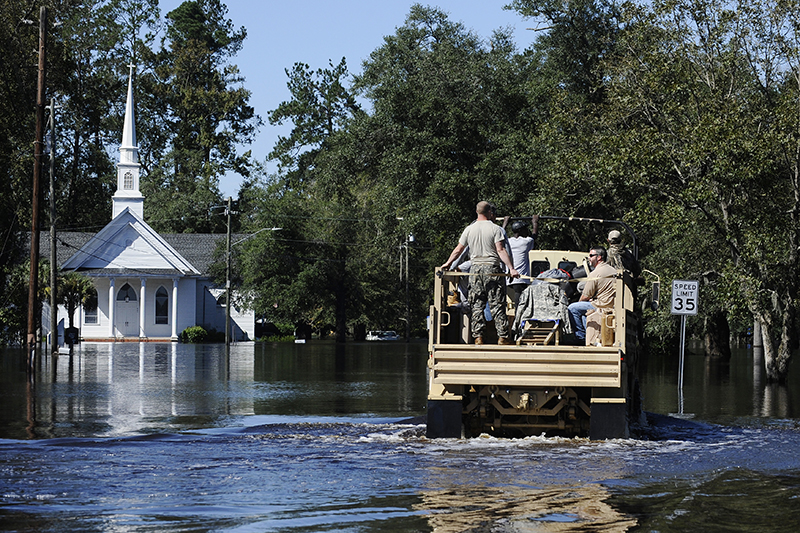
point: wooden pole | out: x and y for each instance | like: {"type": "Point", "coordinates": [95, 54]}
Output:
{"type": "Point", "coordinates": [53, 258]}
{"type": "Point", "coordinates": [33, 286]}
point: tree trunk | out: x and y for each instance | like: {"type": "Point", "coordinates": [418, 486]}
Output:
{"type": "Point", "coordinates": [776, 358]}
{"type": "Point", "coordinates": [341, 314]}
{"type": "Point", "coordinates": [70, 312]}
{"type": "Point", "coordinates": [718, 335]}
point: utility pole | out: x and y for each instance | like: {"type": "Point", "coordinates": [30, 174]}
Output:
{"type": "Point", "coordinates": [408, 308]}
{"type": "Point", "coordinates": [404, 275]}
{"type": "Point", "coordinates": [53, 259]}
{"type": "Point", "coordinates": [33, 287]}
{"type": "Point", "coordinates": [228, 278]}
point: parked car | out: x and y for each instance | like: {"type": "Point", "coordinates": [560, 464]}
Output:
{"type": "Point", "coordinates": [382, 336]}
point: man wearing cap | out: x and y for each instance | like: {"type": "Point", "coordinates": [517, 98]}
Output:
{"type": "Point", "coordinates": [620, 257]}
{"type": "Point", "coordinates": [486, 242]}
{"type": "Point", "coordinates": [521, 243]}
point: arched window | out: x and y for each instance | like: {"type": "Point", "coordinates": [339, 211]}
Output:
{"type": "Point", "coordinates": [127, 181]}
{"type": "Point", "coordinates": [162, 306]}
{"type": "Point", "coordinates": [90, 308]}
{"type": "Point", "coordinates": [126, 294]}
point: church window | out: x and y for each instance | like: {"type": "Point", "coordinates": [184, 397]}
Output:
{"type": "Point", "coordinates": [127, 181]}
{"type": "Point", "coordinates": [162, 306]}
{"type": "Point", "coordinates": [126, 294]}
{"type": "Point", "coordinates": [90, 308]}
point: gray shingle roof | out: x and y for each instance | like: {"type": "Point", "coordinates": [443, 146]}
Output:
{"type": "Point", "coordinates": [197, 248]}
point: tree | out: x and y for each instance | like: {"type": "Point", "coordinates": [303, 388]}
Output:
{"type": "Point", "coordinates": [74, 290]}
{"type": "Point", "coordinates": [209, 116]}
{"type": "Point", "coordinates": [97, 40]}
{"type": "Point", "coordinates": [320, 106]}
{"type": "Point", "coordinates": [704, 121]}
{"type": "Point", "coordinates": [308, 277]}
{"type": "Point", "coordinates": [578, 37]}
{"type": "Point", "coordinates": [19, 35]}
{"type": "Point", "coordinates": [449, 112]}
{"type": "Point", "coordinates": [575, 44]}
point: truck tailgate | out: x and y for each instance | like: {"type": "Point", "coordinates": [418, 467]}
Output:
{"type": "Point", "coordinates": [534, 366]}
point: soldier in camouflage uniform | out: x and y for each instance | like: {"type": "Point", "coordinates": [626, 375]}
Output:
{"type": "Point", "coordinates": [486, 242]}
{"type": "Point", "coordinates": [620, 257]}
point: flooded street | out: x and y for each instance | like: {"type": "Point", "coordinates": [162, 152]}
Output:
{"type": "Point", "coordinates": [318, 437]}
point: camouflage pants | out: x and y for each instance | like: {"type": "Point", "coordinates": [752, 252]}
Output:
{"type": "Point", "coordinates": [491, 289]}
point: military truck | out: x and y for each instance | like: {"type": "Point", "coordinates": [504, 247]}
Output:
{"type": "Point", "coordinates": [546, 383]}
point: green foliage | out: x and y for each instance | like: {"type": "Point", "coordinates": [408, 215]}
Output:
{"type": "Point", "coordinates": [13, 311]}
{"type": "Point", "coordinates": [278, 338]}
{"type": "Point", "coordinates": [699, 120]}
{"type": "Point", "coordinates": [678, 117]}
{"type": "Point", "coordinates": [447, 106]}
{"type": "Point", "coordinates": [580, 36]}
{"type": "Point", "coordinates": [194, 335]}
{"type": "Point", "coordinates": [75, 289]}
{"type": "Point", "coordinates": [19, 35]}
{"type": "Point", "coordinates": [207, 115]}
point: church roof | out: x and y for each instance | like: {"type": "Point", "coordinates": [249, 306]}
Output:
{"type": "Point", "coordinates": [197, 248]}
{"type": "Point", "coordinates": [128, 245]}
{"type": "Point", "coordinates": [128, 242]}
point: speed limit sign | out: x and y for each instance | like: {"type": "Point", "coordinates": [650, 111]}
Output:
{"type": "Point", "coordinates": [685, 297]}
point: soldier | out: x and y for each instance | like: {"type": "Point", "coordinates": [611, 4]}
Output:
{"type": "Point", "coordinates": [486, 242]}
{"type": "Point", "coordinates": [620, 257]}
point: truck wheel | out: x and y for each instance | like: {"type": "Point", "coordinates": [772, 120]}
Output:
{"type": "Point", "coordinates": [444, 419]}
{"type": "Point", "coordinates": [609, 421]}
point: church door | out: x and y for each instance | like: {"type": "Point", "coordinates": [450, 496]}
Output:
{"type": "Point", "coordinates": [127, 313]}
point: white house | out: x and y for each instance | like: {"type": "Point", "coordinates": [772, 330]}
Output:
{"type": "Point", "coordinates": [149, 286]}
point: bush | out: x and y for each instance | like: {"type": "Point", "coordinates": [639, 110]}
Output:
{"type": "Point", "coordinates": [216, 336]}
{"type": "Point", "coordinates": [194, 335]}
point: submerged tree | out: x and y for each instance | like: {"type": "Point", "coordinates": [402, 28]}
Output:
{"type": "Point", "coordinates": [704, 122]}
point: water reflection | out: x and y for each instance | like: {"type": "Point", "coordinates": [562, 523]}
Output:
{"type": "Point", "coordinates": [504, 508]}
{"type": "Point", "coordinates": [170, 437]}
{"type": "Point", "coordinates": [119, 388]}
{"type": "Point", "coordinates": [128, 388]}
{"type": "Point", "coordinates": [717, 390]}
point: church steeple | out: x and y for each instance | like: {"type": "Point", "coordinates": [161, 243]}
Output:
{"type": "Point", "coordinates": [128, 194]}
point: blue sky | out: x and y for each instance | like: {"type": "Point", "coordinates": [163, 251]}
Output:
{"type": "Point", "coordinates": [283, 32]}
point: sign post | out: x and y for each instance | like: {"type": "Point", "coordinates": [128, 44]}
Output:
{"type": "Point", "coordinates": [685, 301]}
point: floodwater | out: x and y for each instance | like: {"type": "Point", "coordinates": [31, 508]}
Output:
{"type": "Point", "coordinates": [318, 437]}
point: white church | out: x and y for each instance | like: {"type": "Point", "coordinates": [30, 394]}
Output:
{"type": "Point", "coordinates": [150, 287]}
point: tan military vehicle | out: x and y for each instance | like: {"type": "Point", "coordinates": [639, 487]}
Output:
{"type": "Point", "coordinates": [544, 383]}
